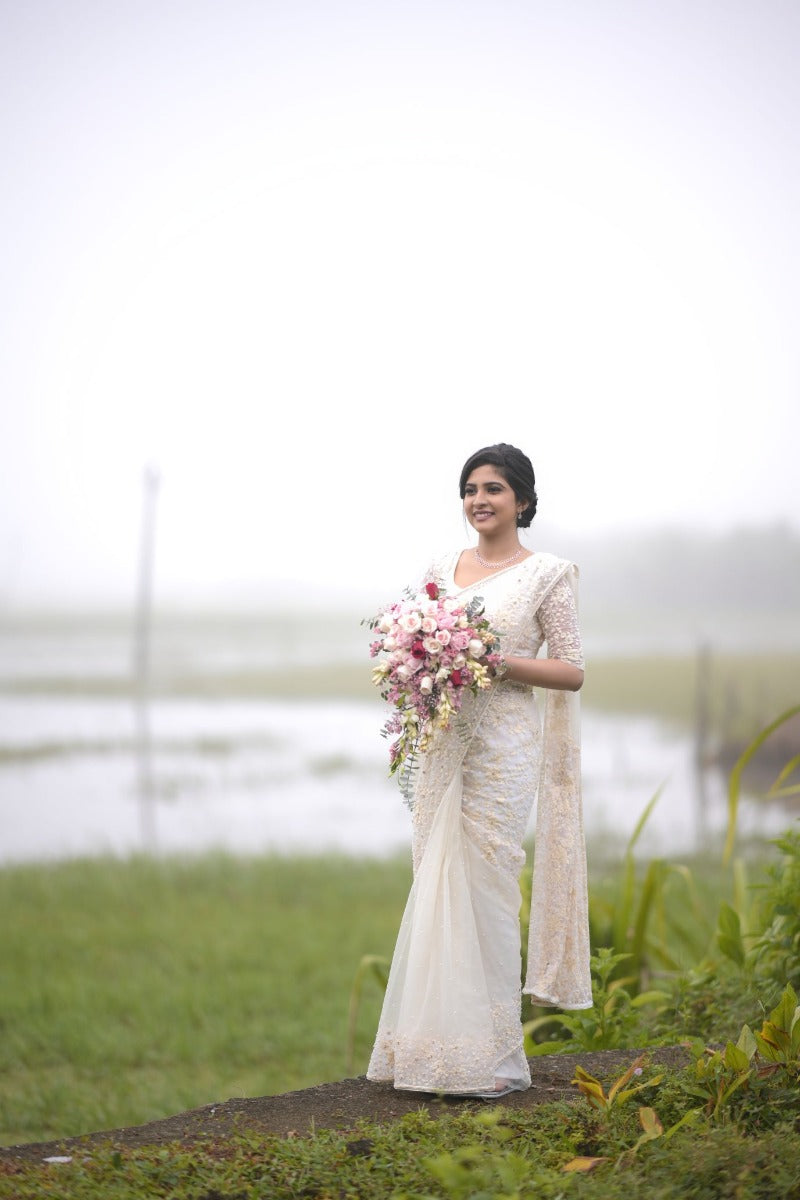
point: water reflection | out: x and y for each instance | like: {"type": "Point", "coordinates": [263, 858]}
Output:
{"type": "Point", "coordinates": [303, 776]}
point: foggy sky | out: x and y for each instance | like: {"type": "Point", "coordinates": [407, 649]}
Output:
{"type": "Point", "coordinates": [306, 257]}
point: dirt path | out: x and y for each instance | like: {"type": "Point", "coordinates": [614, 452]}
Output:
{"type": "Point", "coordinates": [339, 1106]}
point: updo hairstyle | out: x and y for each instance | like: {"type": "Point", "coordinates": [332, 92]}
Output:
{"type": "Point", "coordinates": [516, 469]}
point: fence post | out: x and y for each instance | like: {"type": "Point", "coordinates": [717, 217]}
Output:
{"type": "Point", "coordinates": [142, 661]}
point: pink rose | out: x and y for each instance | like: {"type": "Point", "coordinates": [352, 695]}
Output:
{"type": "Point", "coordinates": [459, 640]}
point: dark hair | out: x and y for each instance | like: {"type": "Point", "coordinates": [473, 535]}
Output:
{"type": "Point", "coordinates": [516, 469]}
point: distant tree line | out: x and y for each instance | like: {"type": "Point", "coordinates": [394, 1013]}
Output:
{"type": "Point", "coordinates": [754, 570]}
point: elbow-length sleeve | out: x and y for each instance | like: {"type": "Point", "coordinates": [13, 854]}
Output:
{"type": "Point", "coordinates": [558, 617]}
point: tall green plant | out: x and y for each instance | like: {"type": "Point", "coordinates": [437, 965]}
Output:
{"type": "Point", "coordinates": [625, 923]}
{"type": "Point", "coordinates": [778, 789]}
{"type": "Point", "coordinates": [372, 966]}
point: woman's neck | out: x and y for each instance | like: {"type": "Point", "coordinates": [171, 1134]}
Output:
{"type": "Point", "coordinates": [498, 551]}
{"type": "Point", "coordinates": [495, 548]}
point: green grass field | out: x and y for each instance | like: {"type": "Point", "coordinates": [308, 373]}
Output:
{"type": "Point", "coordinates": [133, 989]}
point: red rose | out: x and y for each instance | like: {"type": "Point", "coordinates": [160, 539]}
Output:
{"type": "Point", "coordinates": [456, 678]}
{"type": "Point", "coordinates": [418, 650]}
{"type": "Point", "coordinates": [432, 590]}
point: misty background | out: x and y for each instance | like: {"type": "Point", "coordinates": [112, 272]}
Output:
{"type": "Point", "coordinates": [299, 261]}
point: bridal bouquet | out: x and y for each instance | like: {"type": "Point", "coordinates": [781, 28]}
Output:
{"type": "Point", "coordinates": [436, 650]}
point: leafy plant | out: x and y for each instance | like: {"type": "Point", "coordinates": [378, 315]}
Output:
{"type": "Point", "coordinates": [779, 1038]}
{"type": "Point", "coordinates": [614, 1020]}
{"type": "Point", "coordinates": [776, 951]}
{"type": "Point", "coordinates": [722, 1077]}
{"type": "Point", "coordinates": [719, 1074]}
{"type": "Point", "coordinates": [618, 1093]}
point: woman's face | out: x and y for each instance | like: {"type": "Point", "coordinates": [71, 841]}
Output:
{"type": "Point", "coordinates": [490, 505]}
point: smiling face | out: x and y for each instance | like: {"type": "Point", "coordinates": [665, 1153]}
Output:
{"type": "Point", "coordinates": [490, 505]}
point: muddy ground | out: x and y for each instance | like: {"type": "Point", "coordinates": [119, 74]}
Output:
{"type": "Point", "coordinates": [339, 1106]}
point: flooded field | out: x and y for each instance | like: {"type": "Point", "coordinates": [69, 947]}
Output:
{"type": "Point", "coordinates": [81, 774]}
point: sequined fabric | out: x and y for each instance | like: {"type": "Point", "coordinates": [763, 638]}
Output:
{"type": "Point", "coordinates": [451, 1015]}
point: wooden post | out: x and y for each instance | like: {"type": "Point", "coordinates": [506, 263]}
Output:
{"type": "Point", "coordinates": [142, 661]}
{"type": "Point", "coordinates": [701, 743]}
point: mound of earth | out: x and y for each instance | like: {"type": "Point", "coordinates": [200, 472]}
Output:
{"type": "Point", "coordinates": [340, 1106]}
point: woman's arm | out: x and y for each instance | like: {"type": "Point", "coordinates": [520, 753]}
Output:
{"type": "Point", "coordinates": [563, 670]}
{"type": "Point", "coordinates": [545, 672]}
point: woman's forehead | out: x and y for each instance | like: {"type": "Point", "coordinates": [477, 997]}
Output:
{"type": "Point", "coordinates": [486, 474]}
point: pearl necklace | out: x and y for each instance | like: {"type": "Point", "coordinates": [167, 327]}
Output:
{"type": "Point", "coordinates": [494, 566]}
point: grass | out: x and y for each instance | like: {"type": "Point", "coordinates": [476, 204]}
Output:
{"type": "Point", "coordinates": [508, 1156]}
{"type": "Point", "coordinates": [133, 989]}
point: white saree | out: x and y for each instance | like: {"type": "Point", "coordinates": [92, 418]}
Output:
{"type": "Point", "coordinates": [451, 1015]}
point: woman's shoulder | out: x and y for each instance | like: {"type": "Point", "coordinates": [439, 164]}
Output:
{"type": "Point", "coordinates": [551, 577]}
{"type": "Point", "coordinates": [441, 567]}
{"type": "Point", "coordinates": [549, 563]}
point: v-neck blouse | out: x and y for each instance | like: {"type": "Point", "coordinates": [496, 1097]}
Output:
{"type": "Point", "coordinates": [555, 623]}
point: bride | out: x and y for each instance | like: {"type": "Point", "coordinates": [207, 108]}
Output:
{"type": "Point", "coordinates": [451, 1015]}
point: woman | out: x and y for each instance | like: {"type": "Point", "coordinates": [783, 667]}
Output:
{"type": "Point", "coordinates": [451, 1015]}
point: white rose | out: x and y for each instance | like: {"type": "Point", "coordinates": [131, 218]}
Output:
{"type": "Point", "coordinates": [442, 674]}
{"type": "Point", "coordinates": [404, 672]}
{"type": "Point", "coordinates": [426, 685]}
{"type": "Point", "coordinates": [386, 622]}
{"type": "Point", "coordinates": [390, 643]}
{"type": "Point", "coordinates": [428, 625]}
{"type": "Point", "coordinates": [410, 622]}
{"type": "Point", "coordinates": [463, 622]}
{"type": "Point", "coordinates": [443, 636]}
{"type": "Point", "coordinates": [459, 661]}
{"type": "Point", "coordinates": [432, 645]}
{"type": "Point", "coordinates": [476, 647]}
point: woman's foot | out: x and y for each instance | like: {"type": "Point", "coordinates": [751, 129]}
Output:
{"type": "Point", "coordinates": [502, 1087]}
